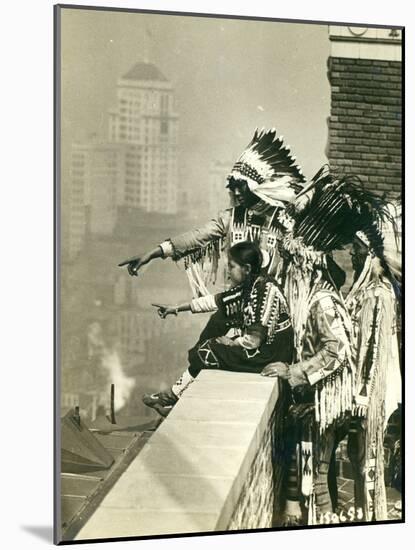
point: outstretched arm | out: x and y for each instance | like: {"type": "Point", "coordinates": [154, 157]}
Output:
{"type": "Point", "coordinates": [180, 246]}
{"type": "Point", "coordinates": [136, 262]}
{"type": "Point", "coordinates": [198, 238]}
{"type": "Point", "coordinates": [164, 309]}
{"type": "Point", "coordinates": [198, 305]}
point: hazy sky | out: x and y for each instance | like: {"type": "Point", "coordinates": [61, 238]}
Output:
{"type": "Point", "coordinates": [229, 75]}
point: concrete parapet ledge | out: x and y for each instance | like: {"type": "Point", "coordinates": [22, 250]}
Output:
{"type": "Point", "coordinates": [189, 477]}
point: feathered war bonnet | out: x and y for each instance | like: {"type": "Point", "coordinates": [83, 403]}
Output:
{"type": "Point", "coordinates": [339, 208]}
{"type": "Point", "coordinates": [269, 169]}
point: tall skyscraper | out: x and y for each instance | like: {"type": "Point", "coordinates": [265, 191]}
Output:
{"type": "Point", "coordinates": [146, 120]}
{"type": "Point", "coordinates": [136, 167]}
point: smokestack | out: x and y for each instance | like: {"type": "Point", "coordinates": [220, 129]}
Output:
{"type": "Point", "coordinates": [77, 416]}
{"type": "Point", "coordinates": [112, 404]}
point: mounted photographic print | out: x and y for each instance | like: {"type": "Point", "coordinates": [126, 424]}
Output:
{"type": "Point", "coordinates": [228, 274]}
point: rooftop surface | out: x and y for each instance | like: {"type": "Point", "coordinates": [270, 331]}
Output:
{"type": "Point", "coordinates": [83, 485]}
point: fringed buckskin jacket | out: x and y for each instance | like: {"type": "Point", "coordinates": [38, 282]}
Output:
{"type": "Point", "coordinates": [326, 355]}
{"type": "Point", "coordinates": [263, 224]}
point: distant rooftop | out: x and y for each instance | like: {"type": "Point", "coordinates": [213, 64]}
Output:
{"type": "Point", "coordinates": [144, 71]}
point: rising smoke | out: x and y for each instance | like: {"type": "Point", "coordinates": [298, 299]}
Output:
{"type": "Point", "coordinates": [108, 361]}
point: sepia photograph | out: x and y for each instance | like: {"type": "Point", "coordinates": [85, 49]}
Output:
{"type": "Point", "coordinates": [228, 274]}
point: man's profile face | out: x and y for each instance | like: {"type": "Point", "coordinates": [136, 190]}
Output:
{"type": "Point", "coordinates": [242, 194]}
{"type": "Point", "coordinates": [358, 253]}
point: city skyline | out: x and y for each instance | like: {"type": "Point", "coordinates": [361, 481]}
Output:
{"type": "Point", "coordinates": [230, 76]}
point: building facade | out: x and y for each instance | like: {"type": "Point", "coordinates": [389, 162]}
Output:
{"type": "Point", "coordinates": [98, 175]}
{"type": "Point", "coordinates": [365, 124]}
